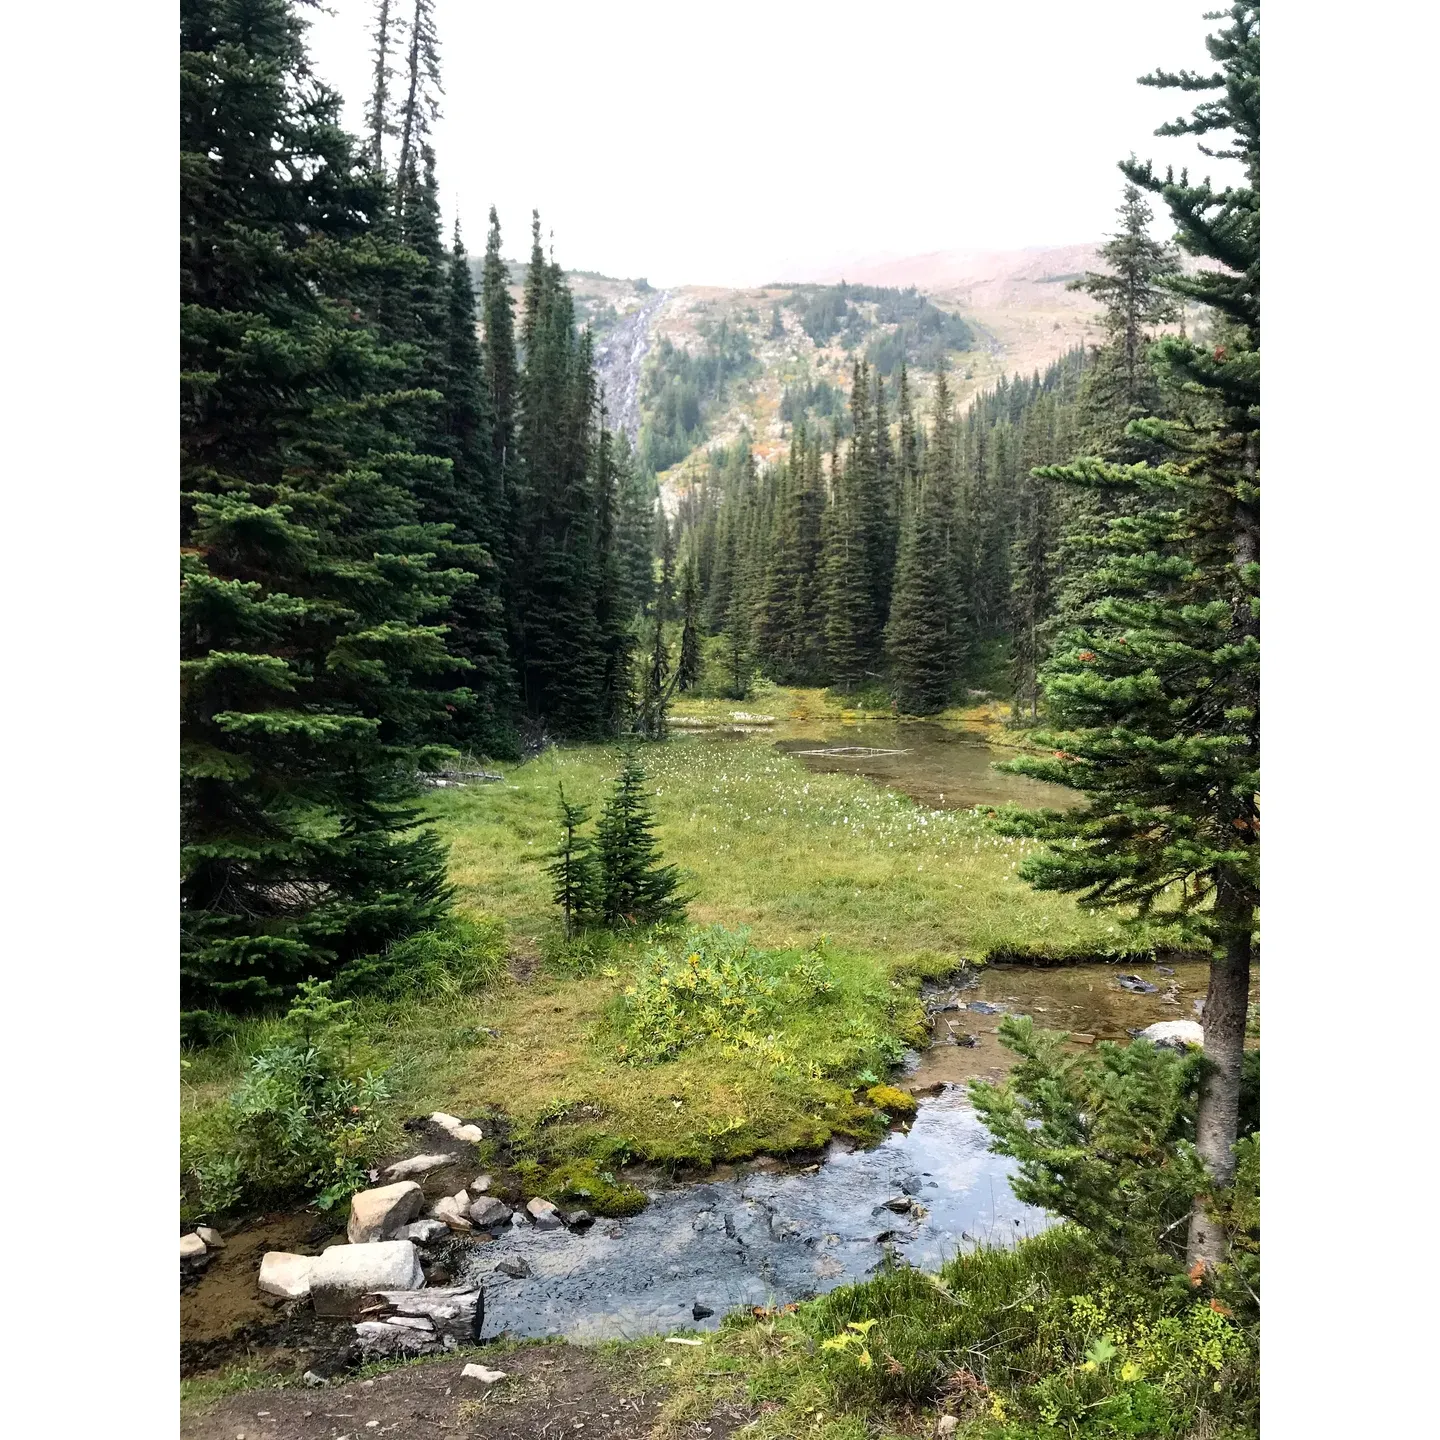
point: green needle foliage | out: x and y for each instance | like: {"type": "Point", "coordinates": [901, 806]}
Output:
{"type": "Point", "coordinates": [572, 867]}
{"type": "Point", "coordinates": [924, 635]}
{"type": "Point", "coordinates": [312, 676]}
{"type": "Point", "coordinates": [635, 887]}
{"type": "Point", "coordinates": [1155, 691]}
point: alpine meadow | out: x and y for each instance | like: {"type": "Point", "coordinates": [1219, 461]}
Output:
{"type": "Point", "coordinates": [719, 825]}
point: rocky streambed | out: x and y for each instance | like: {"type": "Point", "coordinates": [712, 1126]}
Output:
{"type": "Point", "coordinates": [760, 1234]}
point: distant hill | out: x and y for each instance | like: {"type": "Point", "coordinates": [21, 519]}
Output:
{"type": "Point", "coordinates": [695, 366]}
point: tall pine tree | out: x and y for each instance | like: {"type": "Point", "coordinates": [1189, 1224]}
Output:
{"type": "Point", "coordinates": [1156, 691]}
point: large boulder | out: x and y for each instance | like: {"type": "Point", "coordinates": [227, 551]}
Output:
{"type": "Point", "coordinates": [380, 1214]}
{"type": "Point", "coordinates": [287, 1276]}
{"type": "Point", "coordinates": [487, 1212]}
{"type": "Point", "coordinates": [344, 1273]}
{"type": "Point", "coordinates": [1175, 1034]}
{"type": "Point", "coordinates": [384, 1339]}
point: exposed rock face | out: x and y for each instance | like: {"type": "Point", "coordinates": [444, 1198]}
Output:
{"type": "Point", "coordinates": [416, 1165]}
{"type": "Point", "coordinates": [286, 1275]}
{"type": "Point", "coordinates": [380, 1214]}
{"type": "Point", "coordinates": [1176, 1034]}
{"type": "Point", "coordinates": [345, 1272]}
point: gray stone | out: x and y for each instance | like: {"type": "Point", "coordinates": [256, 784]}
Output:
{"type": "Point", "coordinates": [380, 1338]}
{"type": "Point", "coordinates": [380, 1214]}
{"type": "Point", "coordinates": [701, 1312]}
{"type": "Point", "coordinates": [545, 1214]}
{"type": "Point", "coordinates": [487, 1212]}
{"type": "Point", "coordinates": [479, 1185]}
{"type": "Point", "coordinates": [346, 1272]}
{"type": "Point", "coordinates": [192, 1247]}
{"type": "Point", "coordinates": [313, 1380]}
{"type": "Point", "coordinates": [451, 1311]}
{"type": "Point", "coordinates": [514, 1266]}
{"type": "Point", "coordinates": [213, 1239]}
{"type": "Point", "coordinates": [424, 1232]}
{"type": "Point", "coordinates": [416, 1165]}
{"type": "Point", "coordinates": [285, 1275]}
{"type": "Point", "coordinates": [520, 1220]}
{"type": "Point", "coordinates": [579, 1219]}
{"type": "Point", "coordinates": [482, 1374]}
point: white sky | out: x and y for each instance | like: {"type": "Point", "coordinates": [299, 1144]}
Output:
{"type": "Point", "coordinates": [748, 142]}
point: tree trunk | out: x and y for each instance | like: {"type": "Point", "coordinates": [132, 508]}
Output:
{"type": "Point", "coordinates": [1217, 1119]}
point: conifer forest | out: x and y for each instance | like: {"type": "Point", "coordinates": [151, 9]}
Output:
{"type": "Point", "coordinates": [724, 821]}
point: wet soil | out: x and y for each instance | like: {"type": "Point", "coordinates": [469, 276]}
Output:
{"type": "Point", "coordinates": [551, 1391]}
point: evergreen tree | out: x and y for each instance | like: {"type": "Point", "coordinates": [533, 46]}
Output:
{"type": "Point", "coordinates": [572, 867]}
{"type": "Point", "coordinates": [311, 674]}
{"type": "Point", "coordinates": [378, 119]}
{"type": "Point", "coordinates": [924, 634]}
{"type": "Point", "coordinates": [421, 106]}
{"type": "Point", "coordinates": [790, 636]}
{"type": "Point", "coordinates": [687, 672]}
{"type": "Point", "coordinates": [1122, 383]}
{"type": "Point", "coordinates": [1156, 692]}
{"type": "Point", "coordinates": [612, 608]}
{"type": "Point", "coordinates": [635, 887]}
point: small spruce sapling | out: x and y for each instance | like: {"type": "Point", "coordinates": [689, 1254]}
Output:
{"type": "Point", "coordinates": [572, 867]}
{"type": "Point", "coordinates": [635, 887]}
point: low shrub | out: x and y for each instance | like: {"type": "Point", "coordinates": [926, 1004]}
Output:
{"type": "Point", "coordinates": [305, 1122]}
{"type": "Point", "coordinates": [716, 986]}
{"type": "Point", "coordinates": [461, 954]}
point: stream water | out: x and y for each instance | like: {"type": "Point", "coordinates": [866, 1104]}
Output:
{"type": "Point", "coordinates": [768, 1233]}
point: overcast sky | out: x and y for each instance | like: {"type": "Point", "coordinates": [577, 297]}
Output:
{"type": "Point", "coordinates": [739, 143]}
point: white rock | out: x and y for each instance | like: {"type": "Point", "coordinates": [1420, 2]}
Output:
{"type": "Point", "coordinates": [946, 1425]}
{"type": "Point", "coordinates": [345, 1272]}
{"type": "Point", "coordinates": [379, 1214]}
{"type": "Point", "coordinates": [424, 1232]}
{"type": "Point", "coordinates": [461, 1199]}
{"type": "Point", "coordinates": [213, 1239]}
{"type": "Point", "coordinates": [545, 1214]}
{"type": "Point", "coordinates": [1175, 1033]}
{"type": "Point", "coordinates": [484, 1376]}
{"type": "Point", "coordinates": [453, 1125]}
{"type": "Point", "coordinates": [416, 1165]}
{"type": "Point", "coordinates": [479, 1185]}
{"type": "Point", "coordinates": [192, 1247]}
{"type": "Point", "coordinates": [286, 1275]}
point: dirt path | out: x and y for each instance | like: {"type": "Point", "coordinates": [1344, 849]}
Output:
{"type": "Point", "coordinates": [552, 1391]}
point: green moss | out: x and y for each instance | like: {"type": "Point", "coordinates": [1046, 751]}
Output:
{"type": "Point", "coordinates": [583, 1183]}
{"type": "Point", "coordinates": [891, 1100]}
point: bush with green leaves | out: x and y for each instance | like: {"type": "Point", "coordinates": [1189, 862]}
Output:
{"type": "Point", "coordinates": [1105, 1138]}
{"type": "Point", "coordinates": [715, 985]}
{"type": "Point", "coordinates": [304, 1124]}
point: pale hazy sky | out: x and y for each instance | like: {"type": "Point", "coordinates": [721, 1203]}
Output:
{"type": "Point", "coordinates": [736, 144]}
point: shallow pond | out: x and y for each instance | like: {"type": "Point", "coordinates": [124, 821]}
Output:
{"type": "Point", "coordinates": [937, 766]}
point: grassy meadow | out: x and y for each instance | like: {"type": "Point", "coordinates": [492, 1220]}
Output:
{"type": "Point", "coordinates": [536, 1034]}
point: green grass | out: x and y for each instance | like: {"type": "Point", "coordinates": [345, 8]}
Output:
{"type": "Point", "coordinates": [898, 892]}
{"type": "Point", "coordinates": [1036, 1343]}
